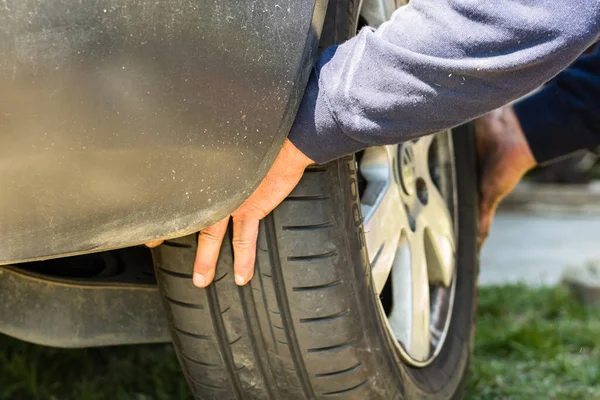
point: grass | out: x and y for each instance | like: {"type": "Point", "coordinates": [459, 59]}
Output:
{"type": "Point", "coordinates": [535, 344]}
{"type": "Point", "coordinates": [531, 344]}
{"type": "Point", "coordinates": [120, 373]}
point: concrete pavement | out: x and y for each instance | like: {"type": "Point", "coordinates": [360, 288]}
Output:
{"type": "Point", "coordinates": [534, 247]}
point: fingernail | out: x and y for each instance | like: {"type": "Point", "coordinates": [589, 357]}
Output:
{"type": "Point", "coordinates": [240, 280]}
{"type": "Point", "coordinates": [199, 280]}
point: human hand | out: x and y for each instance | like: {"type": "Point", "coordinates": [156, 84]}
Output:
{"type": "Point", "coordinates": [281, 179]}
{"type": "Point", "coordinates": [504, 158]}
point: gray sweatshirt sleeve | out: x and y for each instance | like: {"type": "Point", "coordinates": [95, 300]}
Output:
{"type": "Point", "coordinates": [436, 64]}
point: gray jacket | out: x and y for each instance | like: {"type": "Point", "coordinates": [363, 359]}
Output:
{"type": "Point", "coordinates": [436, 64]}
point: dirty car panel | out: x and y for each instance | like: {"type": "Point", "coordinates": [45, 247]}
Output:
{"type": "Point", "coordinates": [128, 120]}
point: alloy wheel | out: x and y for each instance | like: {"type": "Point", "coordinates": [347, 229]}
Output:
{"type": "Point", "coordinates": [408, 202]}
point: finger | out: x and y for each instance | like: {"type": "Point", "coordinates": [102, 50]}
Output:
{"type": "Point", "coordinates": [209, 245]}
{"type": "Point", "coordinates": [487, 210]}
{"type": "Point", "coordinates": [484, 228]}
{"type": "Point", "coordinates": [483, 216]}
{"type": "Point", "coordinates": [154, 243]}
{"type": "Point", "coordinates": [245, 234]}
{"type": "Point", "coordinates": [487, 225]}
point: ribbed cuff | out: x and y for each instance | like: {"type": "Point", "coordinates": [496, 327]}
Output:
{"type": "Point", "coordinates": [550, 129]}
{"type": "Point", "coordinates": [315, 132]}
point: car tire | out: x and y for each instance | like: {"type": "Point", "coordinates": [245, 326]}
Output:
{"type": "Point", "coordinates": [309, 324]}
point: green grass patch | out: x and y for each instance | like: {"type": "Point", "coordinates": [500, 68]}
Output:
{"type": "Point", "coordinates": [116, 373]}
{"type": "Point", "coordinates": [535, 344]}
{"type": "Point", "coordinates": [531, 344]}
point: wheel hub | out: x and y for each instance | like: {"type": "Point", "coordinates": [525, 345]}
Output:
{"type": "Point", "coordinates": [408, 208]}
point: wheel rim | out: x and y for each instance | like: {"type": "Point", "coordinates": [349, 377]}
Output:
{"type": "Point", "coordinates": [408, 202]}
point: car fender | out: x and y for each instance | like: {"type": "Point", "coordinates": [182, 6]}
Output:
{"type": "Point", "coordinates": [123, 121]}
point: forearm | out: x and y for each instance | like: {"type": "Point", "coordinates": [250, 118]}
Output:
{"type": "Point", "coordinates": [435, 65]}
{"type": "Point", "coordinates": [564, 116]}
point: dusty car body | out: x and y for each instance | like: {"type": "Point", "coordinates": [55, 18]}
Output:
{"type": "Point", "coordinates": [128, 120]}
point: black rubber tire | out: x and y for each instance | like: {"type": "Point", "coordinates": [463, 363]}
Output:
{"type": "Point", "coordinates": [308, 325]}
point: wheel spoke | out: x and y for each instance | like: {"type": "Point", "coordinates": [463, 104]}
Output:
{"type": "Point", "coordinates": [382, 209]}
{"type": "Point", "coordinates": [375, 167]}
{"type": "Point", "coordinates": [422, 147]}
{"type": "Point", "coordinates": [382, 233]}
{"type": "Point", "coordinates": [438, 233]}
{"type": "Point", "coordinates": [410, 314]}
